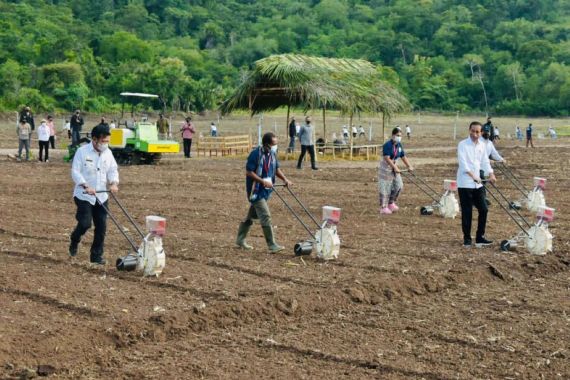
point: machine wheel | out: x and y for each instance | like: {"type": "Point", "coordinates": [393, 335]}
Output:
{"type": "Point", "coordinates": [426, 210]}
{"type": "Point", "coordinates": [505, 245]}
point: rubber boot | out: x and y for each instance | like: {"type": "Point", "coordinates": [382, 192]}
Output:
{"type": "Point", "coordinates": [273, 247]}
{"type": "Point", "coordinates": [242, 234]}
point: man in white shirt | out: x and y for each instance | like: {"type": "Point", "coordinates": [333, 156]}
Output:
{"type": "Point", "coordinates": [473, 159]}
{"type": "Point", "coordinates": [93, 168]}
{"type": "Point", "coordinates": [408, 131]}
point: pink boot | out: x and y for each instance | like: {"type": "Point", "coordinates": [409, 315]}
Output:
{"type": "Point", "coordinates": [393, 207]}
{"type": "Point", "coordinates": [385, 210]}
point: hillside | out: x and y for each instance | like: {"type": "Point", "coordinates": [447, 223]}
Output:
{"type": "Point", "coordinates": [443, 54]}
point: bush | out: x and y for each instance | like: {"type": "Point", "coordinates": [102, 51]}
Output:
{"type": "Point", "coordinates": [100, 104]}
{"type": "Point", "coordinates": [33, 98]}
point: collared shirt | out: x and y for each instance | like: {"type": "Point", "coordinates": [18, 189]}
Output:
{"type": "Point", "coordinates": [392, 149]}
{"type": "Point", "coordinates": [43, 132]}
{"type": "Point", "coordinates": [472, 158]}
{"type": "Point", "coordinates": [491, 150]}
{"type": "Point", "coordinates": [187, 130]}
{"type": "Point", "coordinates": [95, 170]}
{"type": "Point", "coordinates": [265, 165]}
{"type": "Point", "coordinates": [306, 135]}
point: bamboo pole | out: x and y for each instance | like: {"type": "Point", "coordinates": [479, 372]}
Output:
{"type": "Point", "coordinates": [383, 126]}
{"type": "Point", "coordinates": [324, 123]}
{"type": "Point", "coordinates": [350, 135]}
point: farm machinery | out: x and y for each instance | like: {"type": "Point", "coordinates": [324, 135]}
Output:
{"type": "Point", "coordinates": [533, 199]}
{"type": "Point", "coordinates": [149, 256]}
{"type": "Point", "coordinates": [136, 142]}
{"type": "Point", "coordinates": [325, 239]}
{"type": "Point", "coordinates": [535, 237]}
{"type": "Point", "coordinates": [445, 205]}
{"type": "Point", "coordinates": [133, 142]}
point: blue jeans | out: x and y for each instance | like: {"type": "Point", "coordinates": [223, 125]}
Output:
{"type": "Point", "coordinates": [291, 144]}
{"type": "Point", "coordinates": [75, 136]}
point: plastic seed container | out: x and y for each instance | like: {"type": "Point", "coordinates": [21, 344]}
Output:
{"type": "Point", "coordinates": [156, 225]}
{"type": "Point", "coordinates": [546, 214]}
{"type": "Point", "coordinates": [540, 183]}
{"type": "Point", "coordinates": [449, 185]}
{"type": "Point", "coordinates": [331, 214]}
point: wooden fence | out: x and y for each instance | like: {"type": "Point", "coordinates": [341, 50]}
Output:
{"type": "Point", "coordinates": [224, 146]}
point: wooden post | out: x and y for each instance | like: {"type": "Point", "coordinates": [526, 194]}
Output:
{"type": "Point", "coordinates": [324, 123]}
{"type": "Point", "coordinates": [287, 131]}
{"type": "Point", "coordinates": [383, 126]}
{"type": "Point", "coordinates": [350, 135]}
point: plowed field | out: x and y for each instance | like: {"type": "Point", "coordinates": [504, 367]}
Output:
{"type": "Point", "coordinates": [404, 299]}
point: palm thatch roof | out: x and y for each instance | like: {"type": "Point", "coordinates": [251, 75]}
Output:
{"type": "Point", "coordinates": [349, 85]}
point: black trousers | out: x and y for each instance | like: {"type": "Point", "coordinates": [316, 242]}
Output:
{"type": "Point", "coordinates": [469, 198]}
{"type": "Point", "coordinates": [85, 213]}
{"type": "Point", "coordinates": [52, 142]}
{"type": "Point", "coordinates": [44, 145]}
{"type": "Point", "coordinates": [304, 149]}
{"type": "Point", "coordinates": [187, 147]}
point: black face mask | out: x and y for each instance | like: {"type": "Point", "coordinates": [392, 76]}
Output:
{"type": "Point", "coordinates": [486, 136]}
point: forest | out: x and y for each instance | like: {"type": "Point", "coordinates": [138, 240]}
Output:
{"type": "Point", "coordinates": [496, 56]}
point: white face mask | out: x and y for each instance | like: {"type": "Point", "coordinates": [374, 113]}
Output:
{"type": "Point", "coordinates": [398, 139]}
{"type": "Point", "coordinates": [102, 147]}
{"type": "Point", "coordinates": [274, 148]}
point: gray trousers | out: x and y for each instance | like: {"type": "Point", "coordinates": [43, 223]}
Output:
{"type": "Point", "coordinates": [259, 210]}
{"type": "Point", "coordinates": [21, 145]}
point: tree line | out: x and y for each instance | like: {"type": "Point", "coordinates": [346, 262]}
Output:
{"type": "Point", "coordinates": [499, 56]}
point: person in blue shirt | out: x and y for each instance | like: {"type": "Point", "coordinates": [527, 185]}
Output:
{"type": "Point", "coordinates": [529, 135]}
{"type": "Point", "coordinates": [261, 169]}
{"type": "Point", "coordinates": [390, 182]}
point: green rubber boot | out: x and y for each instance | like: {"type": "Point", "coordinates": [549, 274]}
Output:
{"type": "Point", "coordinates": [271, 244]}
{"type": "Point", "coordinates": [242, 234]}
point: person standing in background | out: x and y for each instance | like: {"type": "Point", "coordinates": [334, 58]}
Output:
{"type": "Point", "coordinates": [306, 135]}
{"type": "Point", "coordinates": [23, 132]}
{"type": "Point", "coordinates": [27, 117]}
{"type": "Point", "coordinates": [292, 134]}
{"type": "Point", "coordinates": [518, 132]}
{"type": "Point", "coordinates": [51, 131]}
{"type": "Point", "coordinates": [43, 139]}
{"type": "Point", "coordinates": [213, 129]}
{"type": "Point", "coordinates": [162, 126]}
{"type": "Point", "coordinates": [76, 125]}
{"type": "Point", "coordinates": [529, 136]}
{"type": "Point", "coordinates": [408, 132]}
{"type": "Point", "coordinates": [188, 131]}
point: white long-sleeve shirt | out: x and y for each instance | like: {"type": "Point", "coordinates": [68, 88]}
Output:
{"type": "Point", "coordinates": [95, 170]}
{"type": "Point", "coordinates": [43, 132]}
{"type": "Point", "coordinates": [472, 157]}
{"type": "Point", "coordinates": [491, 150]}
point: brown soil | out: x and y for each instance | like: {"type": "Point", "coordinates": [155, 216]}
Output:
{"type": "Point", "coordinates": [404, 300]}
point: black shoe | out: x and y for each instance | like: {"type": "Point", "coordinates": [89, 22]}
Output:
{"type": "Point", "coordinates": [467, 243]}
{"type": "Point", "coordinates": [482, 242]}
{"type": "Point", "coordinates": [298, 167]}
{"type": "Point", "coordinates": [315, 168]}
{"type": "Point", "coordinates": [99, 262]}
{"type": "Point", "coordinates": [73, 249]}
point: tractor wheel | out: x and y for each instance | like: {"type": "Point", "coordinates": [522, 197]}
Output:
{"type": "Point", "coordinates": [505, 245]}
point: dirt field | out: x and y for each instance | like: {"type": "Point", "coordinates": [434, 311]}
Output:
{"type": "Point", "coordinates": [404, 301]}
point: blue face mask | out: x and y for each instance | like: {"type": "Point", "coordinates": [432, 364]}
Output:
{"type": "Point", "coordinates": [274, 148]}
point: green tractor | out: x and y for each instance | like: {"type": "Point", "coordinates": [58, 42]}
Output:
{"type": "Point", "coordinates": [136, 142]}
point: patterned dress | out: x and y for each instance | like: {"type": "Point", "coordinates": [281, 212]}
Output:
{"type": "Point", "coordinates": [390, 184]}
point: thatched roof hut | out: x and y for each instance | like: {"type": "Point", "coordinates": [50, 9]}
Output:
{"type": "Point", "coordinates": [349, 85]}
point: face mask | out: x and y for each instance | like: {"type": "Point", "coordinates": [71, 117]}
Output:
{"type": "Point", "coordinates": [486, 136]}
{"type": "Point", "coordinates": [102, 147]}
{"type": "Point", "coordinates": [274, 148]}
{"type": "Point", "coordinates": [397, 139]}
